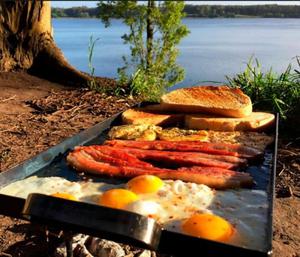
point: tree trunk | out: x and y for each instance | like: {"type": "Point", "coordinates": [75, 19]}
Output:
{"type": "Point", "coordinates": [150, 32]}
{"type": "Point", "coordinates": [26, 43]}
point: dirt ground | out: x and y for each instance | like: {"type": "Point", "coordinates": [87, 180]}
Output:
{"type": "Point", "coordinates": [36, 114]}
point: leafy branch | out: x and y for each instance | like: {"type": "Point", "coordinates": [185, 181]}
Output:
{"type": "Point", "coordinates": [154, 32]}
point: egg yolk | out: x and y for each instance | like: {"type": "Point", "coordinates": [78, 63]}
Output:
{"type": "Point", "coordinates": [65, 196]}
{"type": "Point", "coordinates": [208, 226]}
{"type": "Point", "coordinates": [145, 184]}
{"type": "Point", "coordinates": [117, 198]}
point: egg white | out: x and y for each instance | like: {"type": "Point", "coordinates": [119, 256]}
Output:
{"type": "Point", "coordinates": [247, 211]}
{"type": "Point", "coordinates": [42, 185]}
{"type": "Point", "coordinates": [175, 201]}
{"type": "Point", "coordinates": [178, 200]}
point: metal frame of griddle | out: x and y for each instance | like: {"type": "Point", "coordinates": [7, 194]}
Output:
{"type": "Point", "coordinates": [123, 226]}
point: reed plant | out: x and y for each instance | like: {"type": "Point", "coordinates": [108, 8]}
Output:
{"type": "Point", "coordinates": [270, 91]}
{"type": "Point", "coordinates": [92, 83]}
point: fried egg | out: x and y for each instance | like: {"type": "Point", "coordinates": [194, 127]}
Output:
{"type": "Point", "coordinates": [236, 217]}
{"type": "Point", "coordinates": [176, 200]}
{"type": "Point", "coordinates": [208, 226]}
{"type": "Point", "coordinates": [117, 198]}
{"type": "Point", "coordinates": [65, 196]}
{"type": "Point", "coordinates": [145, 184]}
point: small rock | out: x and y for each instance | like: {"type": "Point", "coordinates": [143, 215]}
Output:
{"type": "Point", "coordinates": [81, 251]}
{"type": "Point", "coordinates": [87, 246]}
{"type": "Point", "coordinates": [104, 248]}
{"type": "Point", "coordinates": [78, 241]}
{"type": "Point", "coordinates": [144, 253]}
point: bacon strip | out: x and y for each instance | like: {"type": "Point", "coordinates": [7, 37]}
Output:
{"type": "Point", "coordinates": [190, 146]}
{"type": "Point", "coordinates": [186, 156]}
{"type": "Point", "coordinates": [170, 158]}
{"type": "Point", "coordinates": [86, 160]}
{"type": "Point", "coordinates": [113, 156]}
{"type": "Point", "coordinates": [214, 172]}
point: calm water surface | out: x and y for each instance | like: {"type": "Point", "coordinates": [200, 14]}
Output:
{"type": "Point", "coordinates": [213, 49]}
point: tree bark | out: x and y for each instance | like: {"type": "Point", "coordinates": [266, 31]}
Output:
{"type": "Point", "coordinates": [26, 43]}
{"type": "Point", "coordinates": [150, 32]}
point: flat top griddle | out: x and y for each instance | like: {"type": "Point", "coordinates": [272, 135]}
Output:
{"type": "Point", "coordinates": [119, 225]}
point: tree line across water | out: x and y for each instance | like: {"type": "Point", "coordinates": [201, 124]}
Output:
{"type": "Point", "coordinates": [200, 11]}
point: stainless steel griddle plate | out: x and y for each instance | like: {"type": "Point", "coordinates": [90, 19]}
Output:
{"type": "Point", "coordinates": [120, 225]}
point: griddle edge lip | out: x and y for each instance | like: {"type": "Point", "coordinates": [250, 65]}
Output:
{"type": "Point", "coordinates": [118, 225]}
{"type": "Point", "coordinates": [271, 189]}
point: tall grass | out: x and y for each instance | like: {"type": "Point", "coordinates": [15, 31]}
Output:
{"type": "Point", "coordinates": [270, 91]}
{"type": "Point", "coordinates": [92, 83]}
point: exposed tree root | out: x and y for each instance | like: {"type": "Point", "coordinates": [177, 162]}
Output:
{"type": "Point", "coordinates": [26, 43]}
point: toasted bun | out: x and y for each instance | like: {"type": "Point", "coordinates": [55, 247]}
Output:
{"type": "Point", "coordinates": [220, 100]}
{"type": "Point", "coordinates": [257, 121]}
{"type": "Point", "coordinates": [140, 116]}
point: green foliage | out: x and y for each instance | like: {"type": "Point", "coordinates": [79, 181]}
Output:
{"type": "Point", "coordinates": [92, 83]}
{"type": "Point", "coordinates": [76, 12]}
{"type": "Point", "coordinates": [239, 11]}
{"type": "Point", "coordinates": [270, 91]}
{"type": "Point", "coordinates": [203, 11]}
{"type": "Point", "coordinates": [154, 33]}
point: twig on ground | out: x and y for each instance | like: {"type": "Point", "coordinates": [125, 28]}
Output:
{"type": "Point", "coordinates": [288, 144]}
{"type": "Point", "coordinates": [297, 194]}
{"type": "Point", "coordinates": [80, 107]}
{"type": "Point", "coordinates": [57, 112]}
{"type": "Point", "coordinates": [280, 173]}
{"type": "Point", "coordinates": [3, 254]}
{"type": "Point", "coordinates": [290, 190]}
{"type": "Point", "coordinates": [287, 152]}
{"type": "Point", "coordinates": [4, 144]}
{"type": "Point", "coordinates": [283, 168]}
{"type": "Point", "coordinates": [11, 130]}
{"type": "Point", "coordinates": [8, 99]}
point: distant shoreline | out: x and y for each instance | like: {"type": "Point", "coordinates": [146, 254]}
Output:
{"type": "Point", "coordinates": [200, 11]}
{"type": "Point", "coordinates": [212, 18]}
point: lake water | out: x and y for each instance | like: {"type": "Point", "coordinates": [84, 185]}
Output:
{"type": "Point", "coordinates": [213, 49]}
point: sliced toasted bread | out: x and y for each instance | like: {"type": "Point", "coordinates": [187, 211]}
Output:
{"type": "Point", "coordinates": [256, 121]}
{"type": "Point", "coordinates": [220, 100]}
{"type": "Point", "coordinates": [157, 108]}
{"type": "Point", "coordinates": [140, 116]}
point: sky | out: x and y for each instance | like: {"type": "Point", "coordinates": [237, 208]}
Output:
{"type": "Point", "coordinates": [67, 4]}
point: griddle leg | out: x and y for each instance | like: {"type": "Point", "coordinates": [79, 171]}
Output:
{"type": "Point", "coordinates": [46, 231]}
{"type": "Point", "coordinates": [68, 238]}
